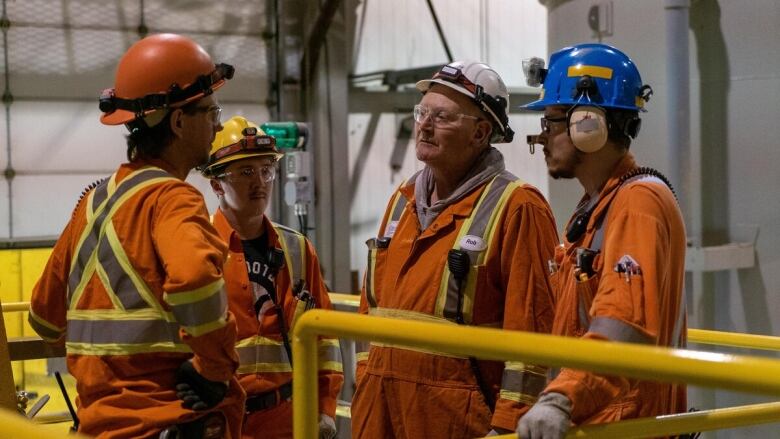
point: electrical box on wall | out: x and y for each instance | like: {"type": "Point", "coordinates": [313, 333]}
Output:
{"type": "Point", "coordinates": [600, 19]}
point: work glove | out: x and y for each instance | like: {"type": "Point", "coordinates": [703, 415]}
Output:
{"type": "Point", "coordinates": [549, 418]}
{"type": "Point", "coordinates": [197, 392]}
{"type": "Point", "coordinates": [327, 427]}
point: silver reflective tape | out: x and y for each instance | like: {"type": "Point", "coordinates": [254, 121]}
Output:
{"type": "Point", "coordinates": [479, 222]}
{"type": "Point", "coordinates": [122, 331]}
{"type": "Point", "coordinates": [525, 382]}
{"type": "Point", "coordinates": [329, 352]}
{"type": "Point", "coordinates": [617, 330]}
{"type": "Point", "coordinates": [43, 331]}
{"type": "Point", "coordinates": [90, 243]}
{"type": "Point", "coordinates": [203, 311]}
{"type": "Point", "coordinates": [262, 353]}
{"type": "Point", "coordinates": [120, 282]}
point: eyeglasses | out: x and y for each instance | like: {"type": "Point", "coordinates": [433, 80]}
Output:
{"type": "Point", "coordinates": [213, 111]}
{"type": "Point", "coordinates": [440, 118]}
{"type": "Point", "coordinates": [250, 173]}
{"type": "Point", "coordinates": [548, 121]}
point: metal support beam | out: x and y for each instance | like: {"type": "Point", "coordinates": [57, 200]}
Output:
{"type": "Point", "coordinates": [326, 107]}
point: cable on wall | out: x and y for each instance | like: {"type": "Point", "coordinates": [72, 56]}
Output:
{"type": "Point", "coordinates": [8, 99]}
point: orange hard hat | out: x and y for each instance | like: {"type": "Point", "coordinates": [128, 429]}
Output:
{"type": "Point", "coordinates": [159, 72]}
{"type": "Point", "coordinates": [239, 139]}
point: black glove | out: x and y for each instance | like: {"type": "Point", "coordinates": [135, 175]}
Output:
{"type": "Point", "coordinates": [197, 392]}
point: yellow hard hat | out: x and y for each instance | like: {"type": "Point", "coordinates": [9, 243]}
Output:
{"type": "Point", "coordinates": [239, 139]}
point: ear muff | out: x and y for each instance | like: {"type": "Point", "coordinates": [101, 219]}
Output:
{"type": "Point", "coordinates": [588, 128]}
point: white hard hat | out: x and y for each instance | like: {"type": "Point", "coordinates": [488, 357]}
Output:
{"type": "Point", "coordinates": [483, 85]}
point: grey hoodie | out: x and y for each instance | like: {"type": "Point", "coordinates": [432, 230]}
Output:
{"type": "Point", "coordinates": [489, 164]}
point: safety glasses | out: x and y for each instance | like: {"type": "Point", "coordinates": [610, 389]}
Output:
{"type": "Point", "coordinates": [248, 174]}
{"type": "Point", "coordinates": [214, 112]}
{"type": "Point", "coordinates": [439, 118]}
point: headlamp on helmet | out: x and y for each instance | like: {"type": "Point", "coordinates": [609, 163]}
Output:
{"type": "Point", "coordinates": [109, 102]}
{"type": "Point", "coordinates": [534, 71]}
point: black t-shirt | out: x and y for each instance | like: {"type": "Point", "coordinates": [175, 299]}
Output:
{"type": "Point", "coordinates": [261, 276]}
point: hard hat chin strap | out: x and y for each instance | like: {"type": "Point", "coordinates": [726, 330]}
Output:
{"type": "Point", "coordinates": [495, 105]}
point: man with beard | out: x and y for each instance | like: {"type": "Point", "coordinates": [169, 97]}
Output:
{"type": "Point", "coordinates": [134, 284]}
{"type": "Point", "coordinates": [272, 275]}
{"type": "Point", "coordinates": [462, 242]}
{"type": "Point", "coordinates": [619, 275]}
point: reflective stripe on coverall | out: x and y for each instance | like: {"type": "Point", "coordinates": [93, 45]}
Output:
{"type": "Point", "coordinates": [641, 221]}
{"type": "Point", "coordinates": [264, 364]}
{"type": "Point", "coordinates": [121, 288]}
{"type": "Point", "coordinates": [408, 392]}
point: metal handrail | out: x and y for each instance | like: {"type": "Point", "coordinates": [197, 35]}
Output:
{"type": "Point", "coordinates": [700, 336]}
{"type": "Point", "coordinates": [734, 372]}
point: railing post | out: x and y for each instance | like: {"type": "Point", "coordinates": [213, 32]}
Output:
{"type": "Point", "coordinates": [305, 395]}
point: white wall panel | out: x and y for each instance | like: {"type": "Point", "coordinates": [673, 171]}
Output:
{"type": "Point", "coordinates": [401, 34]}
{"type": "Point", "coordinates": [63, 136]}
{"type": "Point", "coordinates": [42, 205]}
{"type": "Point", "coordinates": [58, 138]}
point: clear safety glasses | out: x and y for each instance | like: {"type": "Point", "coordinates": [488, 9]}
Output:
{"type": "Point", "coordinates": [214, 112]}
{"type": "Point", "coordinates": [248, 174]}
{"type": "Point", "coordinates": [440, 118]}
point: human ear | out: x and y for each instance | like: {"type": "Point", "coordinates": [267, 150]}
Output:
{"type": "Point", "coordinates": [216, 186]}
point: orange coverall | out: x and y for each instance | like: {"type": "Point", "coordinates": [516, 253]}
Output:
{"type": "Point", "coordinates": [166, 236]}
{"type": "Point", "coordinates": [258, 376]}
{"type": "Point", "coordinates": [406, 392]}
{"type": "Point", "coordinates": [644, 222]}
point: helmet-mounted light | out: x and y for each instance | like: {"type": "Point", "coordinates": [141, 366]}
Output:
{"type": "Point", "coordinates": [534, 70]}
{"type": "Point", "coordinates": [250, 143]}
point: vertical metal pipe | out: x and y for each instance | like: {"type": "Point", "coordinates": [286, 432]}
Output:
{"type": "Point", "coordinates": [678, 111]}
{"type": "Point", "coordinates": [8, 99]}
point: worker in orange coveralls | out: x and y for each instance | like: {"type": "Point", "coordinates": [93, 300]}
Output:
{"type": "Point", "coordinates": [272, 276]}
{"type": "Point", "coordinates": [462, 242]}
{"type": "Point", "coordinates": [619, 275]}
{"type": "Point", "coordinates": [134, 285]}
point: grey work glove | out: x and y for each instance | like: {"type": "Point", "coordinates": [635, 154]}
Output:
{"type": "Point", "coordinates": [327, 427]}
{"type": "Point", "coordinates": [196, 391]}
{"type": "Point", "coordinates": [549, 418]}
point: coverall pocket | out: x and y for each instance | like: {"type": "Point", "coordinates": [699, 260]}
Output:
{"type": "Point", "coordinates": [377, 255]}
{"type": "Point", "coordinates": [636, 289]}
{"type": "Point", "coordinates": [586, 290]}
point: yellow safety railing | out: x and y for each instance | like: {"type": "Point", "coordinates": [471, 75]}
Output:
{"type": "Point", "coordinates": [734, 339]}
{"type": "Point", "coordinates": [708, 369]}
{"type": "Point", "coordinates": [701, 336]}
{"type": "Point", "coordinates": [16, 306]}
{"type": "Point", "coordinates": [15, 425]}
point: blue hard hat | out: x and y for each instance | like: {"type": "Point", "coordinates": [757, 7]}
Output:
{"type": "Point", "coordinates": [591, 74]}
